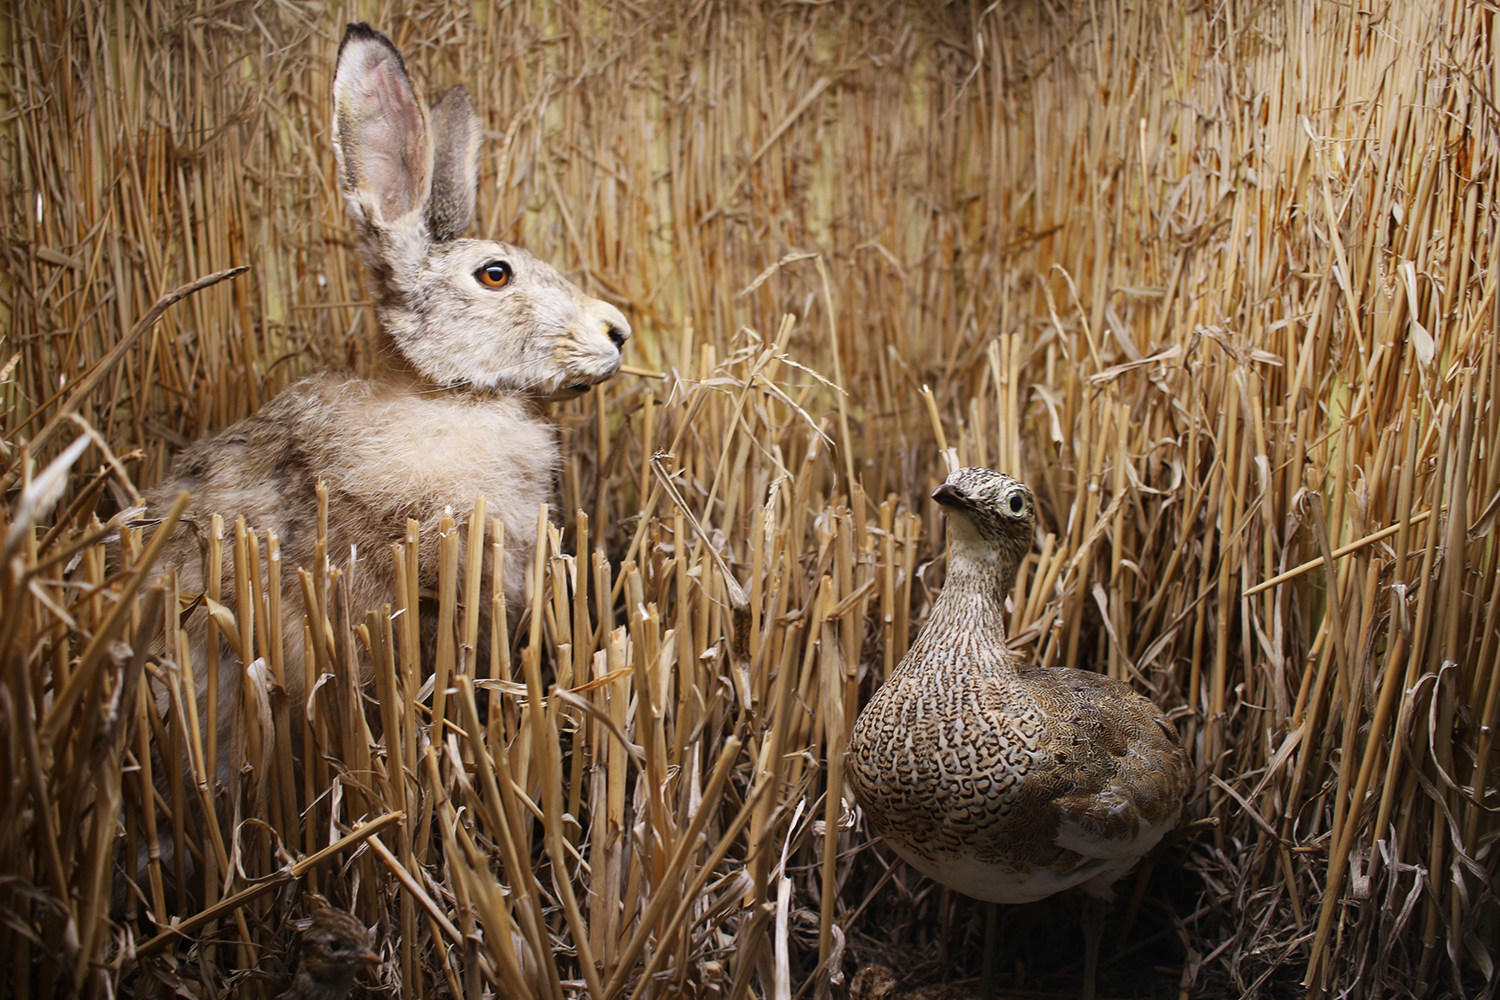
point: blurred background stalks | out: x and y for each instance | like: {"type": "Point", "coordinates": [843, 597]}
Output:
{"type": "Point", "coordinates": [1217, 279]}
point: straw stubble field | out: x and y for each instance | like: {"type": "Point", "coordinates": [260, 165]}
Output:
{"type": "Point", "coordinates": [1217, 280]}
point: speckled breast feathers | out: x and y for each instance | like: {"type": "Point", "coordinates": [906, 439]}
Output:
{"type": "Point", "coordinates": [1007, 781]}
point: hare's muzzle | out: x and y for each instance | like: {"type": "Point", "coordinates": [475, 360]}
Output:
{"type": "Point", "coordinates": [589, 352]}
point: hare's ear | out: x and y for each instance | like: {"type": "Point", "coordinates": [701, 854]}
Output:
{"type": "Point", "coordinates": [455, 165]}
{"type": "Point", "coordinates": [379, 130]}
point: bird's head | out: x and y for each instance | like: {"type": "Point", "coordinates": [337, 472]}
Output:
{"type": "Point", "coordinates": [991, 517]}
{"type": "Point", "coordinates": [335, 946]}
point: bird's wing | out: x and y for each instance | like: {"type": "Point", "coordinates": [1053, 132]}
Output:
{"type": "Point", "coordinates": [1109, 826]}
{"type": "Point", "coordinates": [1132, 771]}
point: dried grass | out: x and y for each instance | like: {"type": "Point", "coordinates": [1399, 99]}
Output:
{"type": "Point", "coordinates": [1219, 281]}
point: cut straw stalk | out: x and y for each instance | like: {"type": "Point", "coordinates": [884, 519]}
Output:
{"type": "Point", "coordinates": [1339, 553]}
{"type": "Point", "coordinates": [291, 873]}
{"type": "Point", "coordinates": [1168, 410]}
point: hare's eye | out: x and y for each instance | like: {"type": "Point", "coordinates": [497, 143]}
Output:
{"type": "Point", "coordinates": [495, 274]}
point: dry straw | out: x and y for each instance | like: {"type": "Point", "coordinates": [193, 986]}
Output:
{"type": "Point", "coordinates": [1218, 280]}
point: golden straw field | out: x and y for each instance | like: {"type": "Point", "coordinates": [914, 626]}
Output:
{"type": "Point", "coordinates": [1217, 279]}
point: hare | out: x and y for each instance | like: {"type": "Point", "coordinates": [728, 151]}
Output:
{"type": "Point", "coordinates": [473, 334]}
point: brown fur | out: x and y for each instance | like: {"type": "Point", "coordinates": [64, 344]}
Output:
{"type": "Point", "coordinates": [453, 416]}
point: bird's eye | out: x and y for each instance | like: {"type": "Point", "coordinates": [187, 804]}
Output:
{"type": "Point", "coordinates": [1017, 504]}
{"type": "Point", "coordinates": [335, 945]}
{"type": "Point", "coordinates": [495, 274]}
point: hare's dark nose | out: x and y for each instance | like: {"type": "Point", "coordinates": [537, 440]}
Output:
{"type": "Point", "coordinates": [609, 321]}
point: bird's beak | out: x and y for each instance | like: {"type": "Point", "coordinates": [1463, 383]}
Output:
{"type": "Point", "coordinates": [370, 958]}
{"type": "Point", "coordinates": [948, 496]}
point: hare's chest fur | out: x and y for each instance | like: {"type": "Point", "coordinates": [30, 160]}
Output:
{"type": "Point", "coordinates": [406, 454]}
{"type": "Point", "coordinates": [416, 452]}
{"type": "Point", "coordinates": [387, 453]}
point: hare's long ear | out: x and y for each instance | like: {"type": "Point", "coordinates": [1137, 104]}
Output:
{"type": "Point", "coordinates": [455, 165]}
{"type": "Point", "coordinates": [379, 130]}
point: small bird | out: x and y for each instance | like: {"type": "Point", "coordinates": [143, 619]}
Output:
{"type": "Point", "coordinates": [878, 982]}
{"type": "Point", "coordinates": [1002, 780]}
{"type": "Point", "coordinates": [335, 946]}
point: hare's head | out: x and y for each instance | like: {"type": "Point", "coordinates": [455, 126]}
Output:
{"type": "Point", "coordinates": [464, 312]}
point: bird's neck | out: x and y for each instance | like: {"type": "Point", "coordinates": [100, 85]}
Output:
{"type": "Point", "coordinates": [978, 571]}
{"type": "Point", "coordinates": [964, 636]}
{"type": "Point", "coordinates": [969, 607]}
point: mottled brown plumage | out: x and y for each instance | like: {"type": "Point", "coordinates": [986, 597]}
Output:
{"type": "Point", "coordinates": [1005, 781]}
{"type": "Point", "coordinates": [877, 982]}
{"type": "Point", "coordinates": [335, 946]}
